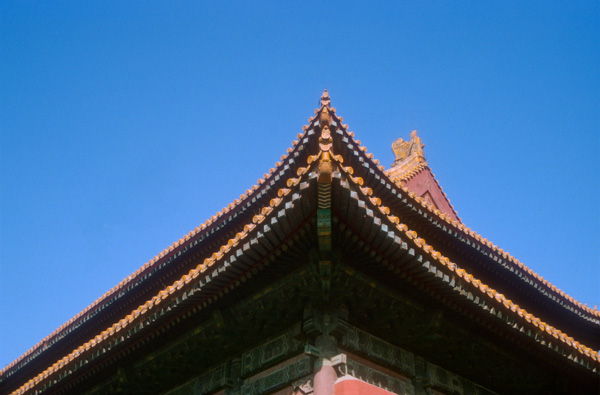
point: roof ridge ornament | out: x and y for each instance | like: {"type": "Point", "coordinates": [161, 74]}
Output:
{"type": "Point", "coordinates": [409, 149]}
{"type": "Point", "coordinates": [325, 143]}
{"type": "Point", "coordinates": [325, 99]}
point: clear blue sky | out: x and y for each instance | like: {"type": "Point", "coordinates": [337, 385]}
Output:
{"type": "Point", "coordinates": [124, 125]}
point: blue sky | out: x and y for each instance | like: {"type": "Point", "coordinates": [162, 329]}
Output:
{"type": "Point", "coordinates": [124, 125]}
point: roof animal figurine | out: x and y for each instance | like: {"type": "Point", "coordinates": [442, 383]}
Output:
{"type": "Point", "coordinates": [404, 149]}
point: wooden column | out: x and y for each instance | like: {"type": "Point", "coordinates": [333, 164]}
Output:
{"type": "Point", "coordinates": [325, 378]}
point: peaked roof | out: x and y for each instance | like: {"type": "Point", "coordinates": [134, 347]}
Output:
{"type": "Point", "coordinates": [325, 169]}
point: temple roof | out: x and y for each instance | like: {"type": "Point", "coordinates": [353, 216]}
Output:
{"type": "Point", "coordinates": [410, 227]}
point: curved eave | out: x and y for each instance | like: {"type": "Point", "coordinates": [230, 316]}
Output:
{"type": "Point", "coordinates": [380, 234]}
{"type": "Point", "coordinates": [211, 230]}
{"type": "Point", "coordinates": [286, 198]}
{"type": "Point", "coordinates": [407, 204]}
{"type": "Point", "coordinates": [279, 225]}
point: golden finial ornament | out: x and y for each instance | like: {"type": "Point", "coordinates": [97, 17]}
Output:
{"type": "Point", "coordinates": [325, 99]}
{"type": "Point", "coordinates": [404, 149]}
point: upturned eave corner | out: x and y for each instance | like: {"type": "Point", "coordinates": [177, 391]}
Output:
{"type": "Point", "coordinates": [415, 154]}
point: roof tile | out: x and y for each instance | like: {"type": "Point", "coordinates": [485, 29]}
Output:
{"type": "Point", "coordinates": [491, 293]}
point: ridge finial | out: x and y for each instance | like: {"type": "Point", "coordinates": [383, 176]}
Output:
{"type": "Point", "coordinates": [325, 99]}
{"type": "Point", "coordinates": [412, 149]}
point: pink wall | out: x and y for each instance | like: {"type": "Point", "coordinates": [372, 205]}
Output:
{"type": "Point", "coordinates": [351, 386]}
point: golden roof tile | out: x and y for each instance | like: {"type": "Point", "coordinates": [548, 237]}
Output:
{"type": "Point", "coordinates": [486, 290]}
{"type": "Point", "coordinates": [146, 308]}
{"type": "Point", "coordinates": [152, 262]}
{"type": "Point", "coordinates": [466, 230]}
{"type": "Point", "coordinates": [151, 304]}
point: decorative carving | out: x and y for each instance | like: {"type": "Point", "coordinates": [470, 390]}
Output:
{"type": "Point", "coordinates": [325, 144]}
{"type": "Point", "coordinates": [212, 380]}
{"type": "Point", "coordinates": [269, 353]}
{"type": "Point", "coordinates": [325, 118]}
{"type": "Point", "coordinates": [304, 386]}
{"type": "Point", "coordinates": [379, 350]}
{"type": "Point", "coordinates": [278, 378]}
{"type": "Point", "coordinates": [325, 169]}
{"type": "Point", "coordinates": [332, 323]}
{"type": "Point", "coordinates": [325, 139]}
{"type": "Point", "coordinates": [349, 367]}
{"type": "Point", "coordinates": [325, 100]}
{"type": "Point", "coordinates": [443, 380]}
{"type": "Point", "coordinates": [404, 149]}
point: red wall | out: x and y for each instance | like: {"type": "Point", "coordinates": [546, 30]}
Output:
{"type": "Point", "coordinates": [352, 386]}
